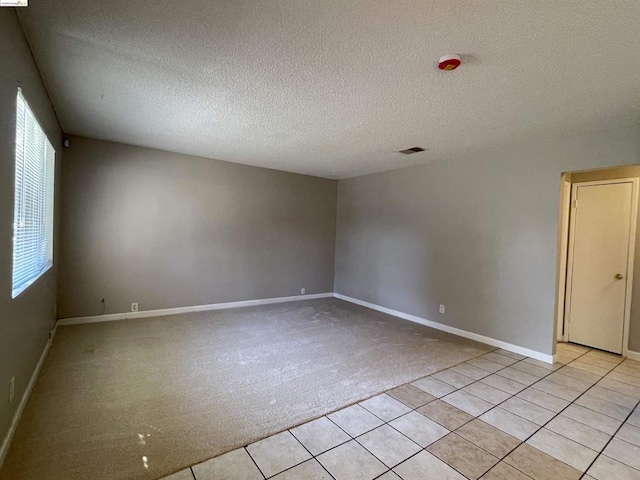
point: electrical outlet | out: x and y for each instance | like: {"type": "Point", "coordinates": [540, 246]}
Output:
{"type": "Point", "coordinates": [303, 291]}
{"type": "Point", "coordinates": [442, 309]}
{"type": "Point", "coordinates": [12, 389]}
{"type": "Point", "coordinates": [134, 307]}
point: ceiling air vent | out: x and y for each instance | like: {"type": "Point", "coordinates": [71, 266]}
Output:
{"type": "Point", "coordinates": [409, 151]}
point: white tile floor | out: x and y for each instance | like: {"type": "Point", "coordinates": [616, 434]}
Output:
{"type": "Point", "coordinates": [499, 416]}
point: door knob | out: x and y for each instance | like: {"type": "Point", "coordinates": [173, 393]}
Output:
{"type": "Point", "coordinates": [619, 276]}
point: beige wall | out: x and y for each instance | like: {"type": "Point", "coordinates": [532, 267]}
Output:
{"type": "Point", "coordinates": [610, 174]}
{"type": "Point", "coordinates": [26, 320]}
{"type": "Point", "coordinates": [478, 234]}
{"type": "Point", "coordinates": [169, 230]}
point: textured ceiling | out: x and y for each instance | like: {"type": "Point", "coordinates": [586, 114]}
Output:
{"type": "Point", "coordinates": [334, 88]}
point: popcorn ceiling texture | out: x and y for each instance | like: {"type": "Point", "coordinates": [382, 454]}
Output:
{"type": "Point", "coordinates": [334, 88]}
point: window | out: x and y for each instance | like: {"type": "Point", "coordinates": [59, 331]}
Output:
{"type": "Point", "coordinates": [33, 208]}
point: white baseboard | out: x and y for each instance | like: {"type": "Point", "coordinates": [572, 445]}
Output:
{"type": "Point", "coordinates": [218, 306]}
{"type": "Point", "coordinates": [543, 357]}
{"type": "Point", "coordinates": [23, 401]}
{"type": "Point", "coordinates": [197, 308]}
{"type": "Point", "coordinates": [631, 355]}
{"type": "Point", "coordinates": [52, 333]}
{"type": "Point", "coordinates": [266, 301]}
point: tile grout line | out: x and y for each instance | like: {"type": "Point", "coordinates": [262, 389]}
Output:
{"type": "Point", "coordinates": [531, 386]}
{"type": "Point", "coordinates": [474, 417]}
{"type": "Point", "coordinates": [253, 460]}
{"type": "Point", "coordinates": [355, 438]}
{"type": "Point", "coordinates": [440, 398]}
{"type": "Point", "coordinates": [601, 453]}
{"type": "Point", "coordinates": [590, 409]}
{"type": "Point", "coordinates": [513, 395]}
{"type": "Point", "coordinates": [388, 422]}
{"type": "Point", "coordinates": [313, 457]}
{"type": "Point", "coordinates": [555, 396]}
{"type": "Point", "coordinates": [421, 447]}
{"type": "Point", "coordinates": [477, 417]}
{"type": "Point", "coordinates": [352, 438]}
{"type": "Point", "coordinates": [309, 452]}
{"type": "Point", "coordinates": [522, 442]}
{"type": "Point", "coordinates": [390, 469]}
{"type": "Point", "coordinates": [457, 389]}
{"type": "Point", "coordinates": [384, 422]}
{"type": "Point", "coordinates": [330, 413]}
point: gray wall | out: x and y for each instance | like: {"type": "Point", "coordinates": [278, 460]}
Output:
{"type": "Point", "coordinates": [170, 230]}
{"type": "Point", "coordinates": [26, 320]}
{"type": "Point", "coordinates": [477, 234]}
{"type": "Point", "coordinates": [608, 174]}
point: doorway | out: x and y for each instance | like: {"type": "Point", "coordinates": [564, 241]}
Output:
{"type": "Point", "coordinates": [598, 229]}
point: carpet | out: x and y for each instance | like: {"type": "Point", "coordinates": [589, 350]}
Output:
{"type": "Point", "coordinates": [145, 398]}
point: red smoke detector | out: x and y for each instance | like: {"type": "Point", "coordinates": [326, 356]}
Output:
{"type": "Point", "coordinates": [449, 62]}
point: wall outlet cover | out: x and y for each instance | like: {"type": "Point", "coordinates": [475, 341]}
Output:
{"type": "Point", "coordinates": [134, 307]}
{"type": "Point", "coordinates": [441, 308]}
{"type": "Point", "coordinates": [303, 291]}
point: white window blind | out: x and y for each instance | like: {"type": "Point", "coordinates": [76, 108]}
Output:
{"type": "Point", "coordinates": [33, 210]}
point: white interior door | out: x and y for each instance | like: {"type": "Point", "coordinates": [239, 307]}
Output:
{"type": "Point", "coordinates": [599, 259]}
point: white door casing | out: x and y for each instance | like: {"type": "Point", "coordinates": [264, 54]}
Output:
{"type": "Point", "coordinates": [600, 263]}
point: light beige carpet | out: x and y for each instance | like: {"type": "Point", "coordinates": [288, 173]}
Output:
{"type": "Point", "coordinates": [180, 389]}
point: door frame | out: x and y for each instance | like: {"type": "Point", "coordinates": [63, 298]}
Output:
{"type": "Point", "coordinates": [567, 231]}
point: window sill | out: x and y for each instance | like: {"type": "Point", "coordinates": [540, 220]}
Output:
{"type": "Point", "coordinates": [18, 290]}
